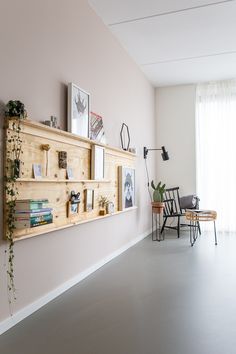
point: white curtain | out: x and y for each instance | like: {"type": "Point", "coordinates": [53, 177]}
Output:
{"type": "Point", "coordinates": [216, 150]}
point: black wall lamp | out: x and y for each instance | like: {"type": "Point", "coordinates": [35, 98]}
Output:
{"type": "Point", "coordinates": [164, 154]}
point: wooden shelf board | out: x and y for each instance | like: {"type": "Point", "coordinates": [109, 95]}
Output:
{"type": "Point", "coordinates": [45, 180]}
{"type": "Point", "coordinates": [40, 231]}
{"type": "Point", "coordinates": [43, 127]}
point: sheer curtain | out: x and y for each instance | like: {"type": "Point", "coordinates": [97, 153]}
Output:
{"type": "Point", "coordinates": [216, 150]}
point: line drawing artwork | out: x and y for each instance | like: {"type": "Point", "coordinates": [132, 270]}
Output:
{"type": "Point", "coordinates": [78, 111]}
{"type": "Point", "coordinates": [80, 104]}
{"type": "Point", "coordinates": [128, 189]}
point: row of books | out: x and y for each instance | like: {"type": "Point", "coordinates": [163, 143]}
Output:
{"type": "Point", "coordinates": [32, 213]}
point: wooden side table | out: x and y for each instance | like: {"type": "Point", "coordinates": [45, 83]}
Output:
{"type": "Point", "coordinates": [196, 216]}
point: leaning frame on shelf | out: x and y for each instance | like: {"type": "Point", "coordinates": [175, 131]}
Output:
{"type": "Point", "coordinates": [35, 137]}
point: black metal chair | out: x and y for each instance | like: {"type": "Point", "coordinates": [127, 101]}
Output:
{"type": "Point", "coordinates": [173, 209]}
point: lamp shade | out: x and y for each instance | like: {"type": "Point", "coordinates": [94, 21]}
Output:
{"type": "Point", "coordinates": [165, 155]}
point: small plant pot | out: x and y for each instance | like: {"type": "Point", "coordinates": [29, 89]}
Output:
{"type": "Point", "coordinates": [158, 207]}
{"type": "Point", "coordinates": [102, 212]}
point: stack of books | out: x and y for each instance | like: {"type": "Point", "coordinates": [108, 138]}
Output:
{"type": "Point", "coordinates": [32, 212]}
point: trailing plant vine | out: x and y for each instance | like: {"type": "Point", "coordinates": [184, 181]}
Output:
{"type": "Point", "coordinates": [14, 113]}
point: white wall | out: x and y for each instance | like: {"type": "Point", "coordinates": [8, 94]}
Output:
{"type": "Point", "coordinates": [175, 115]}
{"type": "Point", "coordinates": [44, 45]}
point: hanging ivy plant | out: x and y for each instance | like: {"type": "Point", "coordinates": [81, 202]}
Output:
{"type": "Point", "coordinates": [15, 112]}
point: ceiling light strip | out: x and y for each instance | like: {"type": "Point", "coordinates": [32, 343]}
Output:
{"type": "Point", "coordinates": [169, 13]}
{"type": "Point", "coordinates": [188, 58]}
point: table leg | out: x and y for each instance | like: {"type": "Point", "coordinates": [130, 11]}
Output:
{"type": "Point", "coordinates": [215, 232]}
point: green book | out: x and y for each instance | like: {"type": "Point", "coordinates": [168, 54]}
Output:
{"type": "Point", "coordinates": [25, 223]}
{"type": "Point", "coordinates": [31, 204]}
{"type": "Point", "coordinates": [40, 218]}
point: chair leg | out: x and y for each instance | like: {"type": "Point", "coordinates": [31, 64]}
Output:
{"type": "Point", "coordinates": [163, 226]}
{"type": "Point", "coordinates": [215, 232]}
{"type": "Point", "coordinates": [152, 228]}
{"type": "Point", "coordinates": [195, 230]}
{"type": "Point", "coordinates": [178, 227]}
{"type": "Point", "coordinates": [199, 228]}
{"type": "Point", "coordinates": [190, 233]}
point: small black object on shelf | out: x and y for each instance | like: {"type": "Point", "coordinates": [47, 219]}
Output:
{"type": "Point", "coordinates": [75, 197]}
{"type": "Point", "coordinates": [125, 136]}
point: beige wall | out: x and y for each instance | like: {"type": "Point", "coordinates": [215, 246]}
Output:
{"type": "Point", "coordinates": [44, 45]}
{"type": "Point", "coordinates": [175, 114]}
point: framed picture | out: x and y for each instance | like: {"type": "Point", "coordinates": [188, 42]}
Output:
{"type": "Point", "coordinates": [72, 209]}
{"type": "Point", "coordinates": [37, 170]}
{"type": "Point", "coordinates": [89, 199]}
{"type": "Point", "coordinates": [62, 159]}
{"type": "Point", "coordinates": [78, 111]}
{"type": "Point", "coordinates": [96, 128]}
{"type": "Point", "coordinates": [126, 187]}
{"type": "Point", "coordinates": [98, 162]}
{"type": "Point", "coordinates": [69, 173]}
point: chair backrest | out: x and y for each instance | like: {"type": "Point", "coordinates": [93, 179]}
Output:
{"type": "Point", "coordinates": [172, 202]}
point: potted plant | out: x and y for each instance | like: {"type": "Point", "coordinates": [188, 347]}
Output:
{"type": "Point", "coordinates": [102, 204]}
{"type": "Point", "coordinates": [15, 110]}
{"type": "Point", "coordinates": [158, 197]}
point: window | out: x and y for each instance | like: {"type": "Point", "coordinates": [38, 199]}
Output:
{"type": "Point", "coordinates": [216, 150]}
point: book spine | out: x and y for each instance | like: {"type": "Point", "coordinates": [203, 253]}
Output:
{"type": "Point", "coordinates": [42, 213]}
{"type": "Point", "coordinates": [32, 201]}
{"type": "Point", "coordinates": [37, 206]}
{"type": "Point", "coordinates": [24, 223]}
{"type": "Point", "coordinates": [31, 215]}
{"type": "Point", "coordinates": [40, 218]}
{"type": "Point", "coordinates": [42, 223]}
{"type": "Point", "coordinates": [26, 211]}
{"type": "Point", "coordinates": [30, 206]}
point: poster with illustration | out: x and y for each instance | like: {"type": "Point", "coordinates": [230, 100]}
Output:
{"type": "Point", "coordinates": [126, 187]}
{"type": "Point", "coordinates": [78, 111]}
{"type": "Point", "coordinates": [96, 128]}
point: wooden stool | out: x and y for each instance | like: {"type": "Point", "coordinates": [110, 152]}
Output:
{"type": "Point", "coordinates": [196, 216]}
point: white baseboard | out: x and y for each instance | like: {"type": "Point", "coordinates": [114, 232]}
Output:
{"type": "Point", "coordinates": [31, 308]}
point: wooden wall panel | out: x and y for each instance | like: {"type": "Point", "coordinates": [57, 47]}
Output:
{"type": "Point", "coordinates": [55, 186]}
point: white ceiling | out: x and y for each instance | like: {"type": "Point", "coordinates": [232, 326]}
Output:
{"type": "Point", "coordinates": [175, 41]}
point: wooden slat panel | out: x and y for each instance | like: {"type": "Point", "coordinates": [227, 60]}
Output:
{"type": "Point", "coordinates": [57, 188]}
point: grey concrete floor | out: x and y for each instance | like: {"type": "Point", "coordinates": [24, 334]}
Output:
{"type": "Point", "coordinates": [156, 298]}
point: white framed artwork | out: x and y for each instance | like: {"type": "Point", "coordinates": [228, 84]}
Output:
{"type": "Point", "coordinates": [98, 162]}
{"type": "Point", "coordinates": [37, 170]}
{"type": "Point", "coordinates": [78, 111]}
{"type": "Point", "coordinates": [89, 199]}
{"type": "Point", "coordinates": [126, 187]}
{"type": "Point", "coordinates": [69, 173]}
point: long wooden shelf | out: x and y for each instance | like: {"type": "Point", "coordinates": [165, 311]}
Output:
{"type": "Point", "coordinates": [41, 231]}
{"type": "Point", "coordinates": [54, 184]}
{"type": "Point", "coordinates": [37, 126]}
{"type": "Point", "coordinates": [45, 180]}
